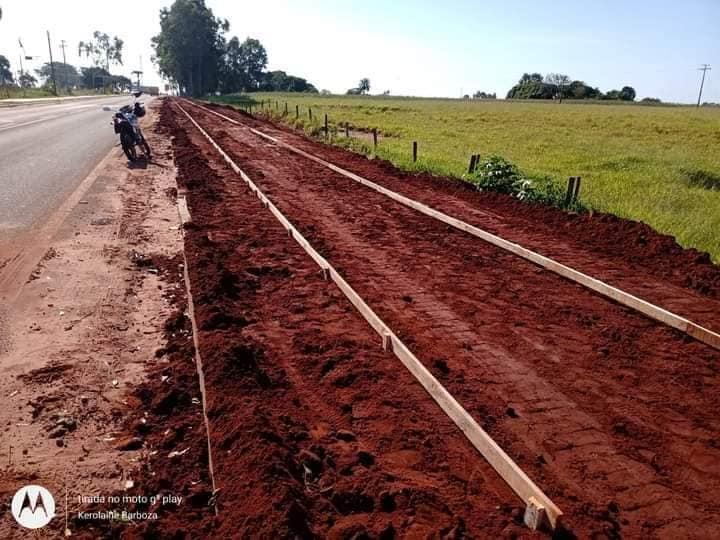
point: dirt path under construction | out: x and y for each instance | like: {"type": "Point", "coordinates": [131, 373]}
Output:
{"type": "Point", "coordinates": [611, 413]}
{"type": "Point", "coordinates": [626, 254]}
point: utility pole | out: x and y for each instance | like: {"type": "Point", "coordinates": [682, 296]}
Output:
{"type": "Point", "coordinates": [22, 71]}
{"type": "Point", "coordinates": [52, 66]}
{"type": "Point", "coordinates": [705, 68]}
{"type": "Point", "coordinates": [62, 46]}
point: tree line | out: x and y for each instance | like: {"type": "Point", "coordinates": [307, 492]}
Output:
{"type": "Point", "coordinates": [103, 51]}
{"type": "Point", "coordinates": [192, 52]}
{"type": "Point", "coordinates": [559, 86]}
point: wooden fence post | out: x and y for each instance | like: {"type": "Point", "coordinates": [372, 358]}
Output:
{"type": "Point", "coordinates": [577, 188]}
{"type": "Point", "coordinates": [414, 151]}
{"type": "Point", "coordinates": [570, 191]}
{"type": "Point", "coordinates": [326, 127]}
{"type": "Point", "coordinates": [375, 138]}
{"type": "Point", "coordinates": [286, 108]}
{"type": "Point", "coordinates": [473, 161]}
{"type": "Point", "coordinates": [276, 105]}
{"type": "Point", "coordinates": [347, 130]}
{"type": "Point", "coordinates": [297, 111]}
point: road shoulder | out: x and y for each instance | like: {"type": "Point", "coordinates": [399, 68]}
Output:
{"type": "Point", "coordinates": [84, 330]}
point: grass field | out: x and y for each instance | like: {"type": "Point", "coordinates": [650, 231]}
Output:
{"type": "Point", "coordinates": [660, 165]}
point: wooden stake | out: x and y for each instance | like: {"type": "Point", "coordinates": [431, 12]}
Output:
{"type": "Point", "coordinates": [309, 113]}
{"type": "Point", "coordinates": [326, 126]}
{"type": "Point", "coordinates": [414, 151]}
{"type": "Point", "coordinates": [471, 167]}
{"type": "Point", "coordinates": [577, 189]}
{"type": "Point", "coordinates": [297, 111]}
{"type": "Point", "coordinates": [347, 130]}
{"type": "Point", "coordinates": [375, 138]}
{"type": "Point", "coordinates": [286, 110]}
{"type": "Point", "coordinates": [570, 191]}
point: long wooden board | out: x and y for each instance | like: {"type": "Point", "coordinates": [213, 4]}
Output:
{"type": "Point", "coordinates": [539, 507]}
{"type": "Point", "coordinates": [646, 308]}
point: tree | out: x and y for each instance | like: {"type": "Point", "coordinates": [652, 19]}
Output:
{"type": "Point", "coordinates": [6, 76]}
{"type": "Point", "coordinates": [580, 90]}
{"type": "Point", "coordinates": [364, 86]}
{"type": "Point", "coordinates": [558, 82]}
{"type": "Point", "coordinates": [484, 95]}
{"type": "Point", "coordinates": [63, 72]}
{"type": "Point", "coordinates": [103, 49]}
{"type": "Point", "coordinates": [627, 93]}
{"type": "Point", "coordinates": [26, 80]}
{"type": "Point", "coordinates": [253, 59]}
{"type": "Point", "coordinates": [95, 77]}
{"type": "Point", "coordinates": [233, 77]}
{"type": "Point", "coordinates": [279, 81]}
{"type": "Point", "coordinates": [531, 86]}
{"type": "Point", "coordinates": [190, 46]}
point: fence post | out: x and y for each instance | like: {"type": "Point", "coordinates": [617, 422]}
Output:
{"type": "Point", "coordinates": [297, 111]}
{"type": "Point", "coordinates": [375, 138]}
{"type": "Point", "coordinates": [262, 104]}
{"type": "Point", "coordinates": [414, 151]}
{"type": "Point", "coordinates": [347, 130]}
{"type": "Point", "coordinates": [577, 188]}
{"type": "Point", "coordinates": [286, 108]}
{"type": "Point", "coordinates": [473, 161]}
{"type": "Point", "coordinates": [310, 113]}
{"type": "Point", "coordinates": [570, 191]}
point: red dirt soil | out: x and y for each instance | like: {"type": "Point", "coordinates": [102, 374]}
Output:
{"type": "Point", "coordinates": [611, 413]}
{"type": "Point", "coordinates": [627, 254]}
{"type": "Point", "coordinates": [315, 431]}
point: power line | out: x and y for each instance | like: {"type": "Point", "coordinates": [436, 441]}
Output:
{"type": "Point", "coordinates": [705, 68]}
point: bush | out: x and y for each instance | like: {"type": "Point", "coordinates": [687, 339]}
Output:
{"type": "Point", "coordinates": [495, 173]}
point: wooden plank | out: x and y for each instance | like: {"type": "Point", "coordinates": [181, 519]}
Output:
{"type": "Point", "coordinates": [646, 308]}
{"type": "Point", "coordinates": [508, 470]}
{"type": "Point", "coordinates": [183, 210]}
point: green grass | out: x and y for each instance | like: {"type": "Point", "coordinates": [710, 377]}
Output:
{"type": "Point", "coordinates": [13, 92]}
{"type": "Point", "coordinates": [659, 165]}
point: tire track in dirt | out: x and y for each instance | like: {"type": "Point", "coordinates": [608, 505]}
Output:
{"type": "Point", "coordinates": [620, 455]}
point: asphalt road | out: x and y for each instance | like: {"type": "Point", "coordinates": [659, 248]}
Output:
{"type": "Point", "coordinates": [45, 152]}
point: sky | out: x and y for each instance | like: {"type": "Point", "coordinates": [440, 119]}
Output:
{"type": "Point", "coordinates": [424, 48]}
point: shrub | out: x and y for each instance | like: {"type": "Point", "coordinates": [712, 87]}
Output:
{"type": "Point", "coordinates": [495, 173]}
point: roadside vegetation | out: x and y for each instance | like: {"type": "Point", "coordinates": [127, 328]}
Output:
{"type": "Point", "coordinates": [655, 164]}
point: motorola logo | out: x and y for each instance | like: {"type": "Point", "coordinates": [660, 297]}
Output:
{"type": "Point", "coordinates": [33, 507]}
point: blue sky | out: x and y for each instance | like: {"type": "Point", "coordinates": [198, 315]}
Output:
{"type": "Point", "coordinates": [426, 48]}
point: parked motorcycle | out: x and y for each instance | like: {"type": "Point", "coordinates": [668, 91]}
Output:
{"type": "Point", "coordinates": [125, 123]}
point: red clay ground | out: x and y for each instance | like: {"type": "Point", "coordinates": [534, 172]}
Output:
{"type": "Point", "coordinates": [611, 413]}
{"type": "Point", "coordinates": [627, 254]}
{"type": "Point", "coordinates": [315, 431]}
